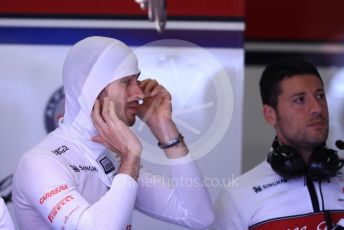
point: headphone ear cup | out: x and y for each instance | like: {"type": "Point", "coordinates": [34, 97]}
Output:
{"type": "Point", "coordinates": [286, 161]}
{"type": "Point", "coordinates": [323, 164]}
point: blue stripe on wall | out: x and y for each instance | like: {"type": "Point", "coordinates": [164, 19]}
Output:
{"type": "Point", "coordinates": [132, 37]}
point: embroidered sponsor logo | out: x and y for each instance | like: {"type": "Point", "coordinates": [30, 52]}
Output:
{"type": "Point", "coordinates": [322, 226]}
{"type": "Point", "coordinates": [340, 176]}
{"type": "Point", "coordinates": [58, 207]}
{"type": "Point", "coordinates": [88, 168]}
{"type": "Point", "coordinates": [310, 221]}
{"type": "Point", "coordinates": [52, 193]}
{"type": "Point", "coordinates": [74, 168]}
{"type": "Point", "coordinates": [257, 189]}
{"type": "Point", "coordinates": [60, 150]}
{"type": "Point", "coordinates": [83, 168]}
{"type": "Point", "coordinates": [107, 165]}
{"type": "Point", "coordinates": [260, 188]}
{"type": "Point", "coordinates": [341, 195]}
{"type": "Point", "coordinates": [341, 200]}
{"type": "Point", "coordinates": [66, 218]}
{"type": "Point", "coordinates": [297, 228]}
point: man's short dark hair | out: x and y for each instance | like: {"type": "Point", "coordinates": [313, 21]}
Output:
{"type": "Point", "coordinates": [278, 70]}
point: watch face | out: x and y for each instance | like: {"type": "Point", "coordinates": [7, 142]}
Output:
{"type": "Point", "coordinates": [202, 94]}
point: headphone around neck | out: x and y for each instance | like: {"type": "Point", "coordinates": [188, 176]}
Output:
{"type": "Point", "coordinates": [286, 161]}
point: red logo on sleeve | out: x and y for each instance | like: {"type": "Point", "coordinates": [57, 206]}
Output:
{"type": "Point", "coordinates": [52, 193]}
{"type": "Point", "coordinates": [58, 207]}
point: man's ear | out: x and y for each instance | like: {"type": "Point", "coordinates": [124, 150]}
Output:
{"type": "Point", "coordinates": [270, 115]}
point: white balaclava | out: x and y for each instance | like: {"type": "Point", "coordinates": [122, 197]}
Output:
{"type": "Point", "coordinates": [90, 66]}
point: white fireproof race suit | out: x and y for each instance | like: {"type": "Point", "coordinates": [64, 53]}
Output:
{"type": "Point", "coordinates": [264, 200]}
{"type": "Point", "coordinates": [68, 181]}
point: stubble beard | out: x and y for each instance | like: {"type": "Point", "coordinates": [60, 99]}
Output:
{"type": "Point", "coordinates": [128, 119]}
{"type": "Point", "coordinates": [302, 140]}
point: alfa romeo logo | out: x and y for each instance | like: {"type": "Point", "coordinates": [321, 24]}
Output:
{"type": "Point", "coordinates": [54, 110]}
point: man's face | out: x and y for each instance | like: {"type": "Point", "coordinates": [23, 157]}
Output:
{"type": "Point", "coordinates": [301, 113]}
{"type": "Point", "coordinates": [125, 93]}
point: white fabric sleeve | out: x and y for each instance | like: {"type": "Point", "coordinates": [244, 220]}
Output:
{"type": "Point", "coordinates": [5, 217]}
{"type": "Point", "coordinates": [114, 209]}
{"type": "Point", "coordinates": [67, 208]}
{"type": "Point", "coordinates": [227, 213]}
{"type": "Point", "coordinates": [180, 199]}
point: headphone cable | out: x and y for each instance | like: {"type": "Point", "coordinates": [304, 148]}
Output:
{"type": "Point", "coordinates": [327, 214]}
